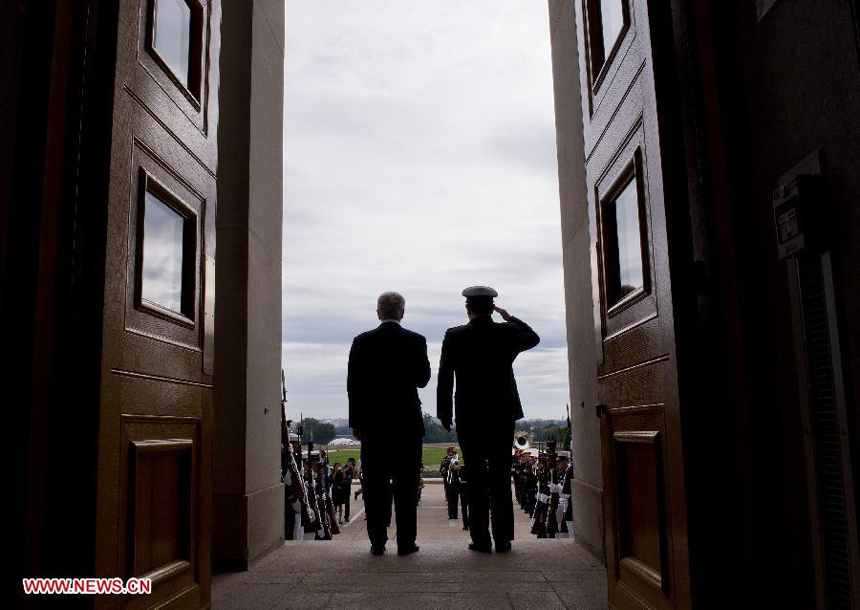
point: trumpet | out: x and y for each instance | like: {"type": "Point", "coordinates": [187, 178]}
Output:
{"type": "Point", "coordinates": [521, 440]}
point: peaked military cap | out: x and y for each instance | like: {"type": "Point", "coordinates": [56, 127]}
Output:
{"type": "Point", "coordinates": [480, 291]}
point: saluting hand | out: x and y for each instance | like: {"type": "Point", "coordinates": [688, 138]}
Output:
{"type": "Point", "coordinates": [502, 312]}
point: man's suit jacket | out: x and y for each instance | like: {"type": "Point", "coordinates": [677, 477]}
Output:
{"type": "Point", "coordinates": [481, 355]}
{"type": "Point", "coordinates": [387, 365]}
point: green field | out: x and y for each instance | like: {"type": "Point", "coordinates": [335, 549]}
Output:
{"type": "Point", "coordinates": [431, 455]}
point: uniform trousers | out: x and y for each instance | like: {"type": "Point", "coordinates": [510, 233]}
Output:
{"type": "Point", "coordinates": [346, 501]}
{"type": "Point", "coordinates": [487, 454]}
{"type": "Point", "coordinates": [384, 462]}
{"type": "Point", "coordinates": [452, 494]}
{"type": "Point", "coordinates": [464, 505]}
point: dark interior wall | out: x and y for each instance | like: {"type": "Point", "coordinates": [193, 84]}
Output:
{"type": "Point", "coordinates": [19, 217]}
{"type": "Point", "coordinates": [789, 85]}
{"type": "Point", "coordinates": [56, 90]}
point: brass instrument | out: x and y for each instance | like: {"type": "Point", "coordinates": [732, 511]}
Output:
{"type": "Point", "coordinates": [521, 440]}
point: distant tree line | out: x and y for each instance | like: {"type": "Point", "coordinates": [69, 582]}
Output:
{"type": "Point", "coordinates": [543, 430]}
{"type": "Point", "coordinates": [321, 433]}
{"type": "Point", "coordinates": [435, 433]}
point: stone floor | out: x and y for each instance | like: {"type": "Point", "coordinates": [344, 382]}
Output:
{"type": "Point", "coordinates": [342, 573]}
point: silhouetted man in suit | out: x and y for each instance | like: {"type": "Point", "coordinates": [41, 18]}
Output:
{"type": "Point", "coordinates": [387, 365]}
{"type": "Point", "coordinates": [481, 354]}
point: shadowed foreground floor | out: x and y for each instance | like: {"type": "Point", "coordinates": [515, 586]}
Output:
{"type": "Point", "coordinates": [341, 573]}
{"type": "Point", "coordinates": [443, 574]}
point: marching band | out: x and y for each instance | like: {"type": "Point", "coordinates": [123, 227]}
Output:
{"type": "Point", "coordinates": [542, 487]}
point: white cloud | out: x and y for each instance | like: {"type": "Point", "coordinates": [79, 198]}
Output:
{"type": "Point", "coordinates": [419, 157]}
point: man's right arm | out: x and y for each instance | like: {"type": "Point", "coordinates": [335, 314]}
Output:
{"type": "Point", "coordinates": [445, 386]}
{"type": "Point", "coordinates": [526, 337]}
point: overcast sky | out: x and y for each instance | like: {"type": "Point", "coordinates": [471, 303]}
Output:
{"type": "Point", "coordinates": [419, 157]}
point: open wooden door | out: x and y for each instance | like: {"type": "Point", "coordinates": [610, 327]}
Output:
{"type": "Point", "coordinates": [627, 177]}
{"type": "Point", "coordinates": [155, 419]}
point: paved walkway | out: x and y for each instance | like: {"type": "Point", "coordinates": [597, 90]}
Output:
{"type": "Point", "coordinates": [342, 573]}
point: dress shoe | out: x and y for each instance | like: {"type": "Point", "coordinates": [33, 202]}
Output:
{"type": "Point", "coordinates": [480, 548]}
{"type": "Point", "coordinates": [408, 550]}
{"type": "Point", "coordinates": [377, 550]}
{"type": "Point", "coordinates": [503, 547]}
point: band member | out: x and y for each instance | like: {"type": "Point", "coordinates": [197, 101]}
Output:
{"type": "Point", "coordinates": [541, 511]}
{"type": "Point", "coordinates": [562, 490]}
{"type": "Point", "coordinates": [451, 479]}
{"type": "Point", "coordinates": [387, 365]}
{"type": "Point", "coordinates": [339, 491]}
{"type": "Point", "coordinates": [553, 527]}
{"type": "Point", "coordinates": [420, 483]}
{"type": "Point", "coordinates": [349, 473]}
{"type": "Point", "coordinates": [480, 356]}
{"type": "Point", "coordinates": [516, 469]}
{"type": "Point", "coordinates": [530, 486]}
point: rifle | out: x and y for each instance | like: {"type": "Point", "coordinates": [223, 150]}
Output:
{"type": "Point", "coordinates": [285, 427]}
{"type": "Point", "coordinates": [569, 430]}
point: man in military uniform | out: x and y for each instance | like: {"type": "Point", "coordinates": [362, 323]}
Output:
{"type": "Point", "coordinates": [387, 365]}
{"type": "Point", "coordinates": [481, 354]}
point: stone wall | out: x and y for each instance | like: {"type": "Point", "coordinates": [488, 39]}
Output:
{"type": "Point", "coordinates": [587, 492]}
{"type": "Point", "coordinates": [248, 504]}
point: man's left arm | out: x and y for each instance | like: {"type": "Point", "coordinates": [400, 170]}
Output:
{"type": "Point", "coordinates": [422, 366]}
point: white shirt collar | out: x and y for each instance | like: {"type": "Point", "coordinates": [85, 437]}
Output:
{"type": "Point", "coordinates": [390, 320]}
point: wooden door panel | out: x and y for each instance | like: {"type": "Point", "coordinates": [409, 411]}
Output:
{"type": "Point", "coordinates": [142, 394]}
{"type": "Point", "coordinates": [155, 181]}
{"type": "Point", "coordinates": [644, 502]}
{"type": "Point", "coordinates": [609, 87]}
{"type": "Point", "coordinates": [154, 494]}
{"type": "Point", "coordinates": [151, 84]}
{"type": "Point", "coordinates": [638, 518]}
{"type": "Point", "coordinates": [160, 504]}
{"type": "Point", "coordinates": [625, 118]}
